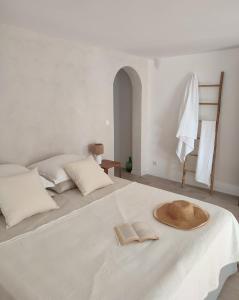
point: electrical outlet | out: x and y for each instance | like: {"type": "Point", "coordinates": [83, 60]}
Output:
{"type": "Point", "coordinates": [155, 163]}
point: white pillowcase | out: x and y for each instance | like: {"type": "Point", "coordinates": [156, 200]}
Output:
{"type": "Point", "coordinates": [22, 196]}
{"type": "Point", "coordinates": [46, 183]}
{"type": "Point", "coordinates": [13, 169]}
{"type": "Point", "coordinates": [63, 186]}
{"type": "Point", "coordinates": [87, 175]}
{"type": "Point", "coordinates": [52, 168]}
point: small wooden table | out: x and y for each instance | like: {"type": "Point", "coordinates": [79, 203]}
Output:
{"type": "Point", "coordinates": [108, 164]}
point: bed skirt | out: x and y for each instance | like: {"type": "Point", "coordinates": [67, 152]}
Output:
{"type": "Point", "coordinates": [225, 273]}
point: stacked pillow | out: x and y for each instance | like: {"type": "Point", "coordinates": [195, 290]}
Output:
{"type": "Point", "coordinates": [23, 191]}
{"type": "Point", "coordinates": [53, 169]}
{"type": "Point", "coordinates": [22, 195]}
{"type": "Point", "coordinates": [66, 171]}
{"type": "Point", "coordinates": [13, 169]}
{"type": "Point", "coordinates": [87, 175]}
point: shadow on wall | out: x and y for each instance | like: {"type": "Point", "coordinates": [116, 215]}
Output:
{"type": "Point", "coordinates": [168, 137]}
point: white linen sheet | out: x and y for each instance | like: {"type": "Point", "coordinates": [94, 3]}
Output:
{"type": "Point", "coordinates": [205, 153]}
{"type": "Point", "coordinates": [188, 124]}
{"type": "Point", "coordinates": [79, 257]}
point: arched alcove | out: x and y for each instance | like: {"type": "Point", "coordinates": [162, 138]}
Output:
{"type": "Point", "coordinates": [127, 117]}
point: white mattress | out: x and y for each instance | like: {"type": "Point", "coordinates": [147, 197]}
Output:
{"type": "Point", "coordinates": [77, 256]}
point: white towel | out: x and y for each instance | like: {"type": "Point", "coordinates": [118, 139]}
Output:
{"type": "Point", "coordinates": [188, 125]}
{"type": "Point", "coordinates": [205, 153]}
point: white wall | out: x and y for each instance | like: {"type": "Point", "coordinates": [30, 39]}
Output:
{"type": "Point", "coordinates": [168, 78]}
{"type": "Point", "coordinates": [122, 117]}
{"type": "Point", "coordinates": [56, 95]}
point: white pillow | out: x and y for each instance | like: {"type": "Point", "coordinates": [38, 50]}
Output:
{"type": "Point", "coordinates": [87, 175]}
{"type": "Point", "coordinates": [52, 168]}
{"type": "Point", "coordinates": [46, 183]}
{"type": "Point", "coordinates": [22, 196]}
{"type": "Point", "coordinates": [13, 169]}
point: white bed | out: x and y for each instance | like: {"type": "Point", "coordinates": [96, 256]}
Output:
{"type": "Point", "coordinates": [73, 253]}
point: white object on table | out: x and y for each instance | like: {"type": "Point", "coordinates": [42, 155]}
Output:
{"type": "Point", "coordinates": [98, 159]}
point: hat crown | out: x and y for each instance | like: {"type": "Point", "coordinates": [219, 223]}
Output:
{"type": "Point", "coordinates": [181, 210]}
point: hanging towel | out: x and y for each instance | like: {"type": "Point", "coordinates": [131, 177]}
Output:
{"type": "Point", "coordinates": [188, 124]}
{"type": "Point", "coordinates": [205, 153]}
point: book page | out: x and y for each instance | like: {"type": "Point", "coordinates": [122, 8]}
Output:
{"type": "Point", "coordinates": [144, 231]}
{"type": "Point", "coordinates": [126, 233]}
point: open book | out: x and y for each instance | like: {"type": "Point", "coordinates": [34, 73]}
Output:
{"type": "Point", "coordinates": [137, 231]}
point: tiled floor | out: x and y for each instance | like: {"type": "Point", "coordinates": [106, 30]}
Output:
{"type": "Point", "coordinates": [230, 290]}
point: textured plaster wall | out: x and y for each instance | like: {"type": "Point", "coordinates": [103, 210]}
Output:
{"type": "Point", "coordinates": [168, 79]}
{"type": "Point", "coordinates": [57, 96]}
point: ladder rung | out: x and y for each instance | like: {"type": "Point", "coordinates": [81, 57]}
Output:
{"type": "Point", "coordinates": [187, 170]}
{"type": "Point", "coordinates": [208, 103]}
{"type": "Point", "coordinates": [209, 85]}
{"type": "Point", "coordinates": [216, 103]}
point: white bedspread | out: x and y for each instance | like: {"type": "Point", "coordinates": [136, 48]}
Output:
{"type": "Point", "coordinates": [78, 256]}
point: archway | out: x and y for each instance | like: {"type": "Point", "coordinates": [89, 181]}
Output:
{"type": "Point", "coordinates": [127, 117]}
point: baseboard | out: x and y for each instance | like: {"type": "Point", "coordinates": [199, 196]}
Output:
{"type": "Point", "coordinates": [222, 187]}
{"type": "Point", "coordinates": [227, 188]}
{"type": "Point", "coordinates": [136, 172]}
{"type": "Point", "coordinates": [176, 177]}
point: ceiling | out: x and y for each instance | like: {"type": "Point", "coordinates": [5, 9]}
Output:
{"type": "Point", "coordinates": [149, 28]}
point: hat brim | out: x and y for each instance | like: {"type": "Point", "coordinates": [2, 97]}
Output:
{"type": "Point", "coordinates": [201, 217]}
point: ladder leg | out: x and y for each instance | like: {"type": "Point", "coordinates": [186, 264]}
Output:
{"type": "Point", "coordinates": [184, 173]}
{"type": "Point", "coordinates": [216, 133]}
{"type": "Point", "coordinates": [212, 185]}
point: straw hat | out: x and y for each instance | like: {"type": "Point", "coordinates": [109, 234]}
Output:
{"type": "Point", "coordinates": [181, 214]}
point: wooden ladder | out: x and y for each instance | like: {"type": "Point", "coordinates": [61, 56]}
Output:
{"type": "Point", "coordinates": [218, 103]}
